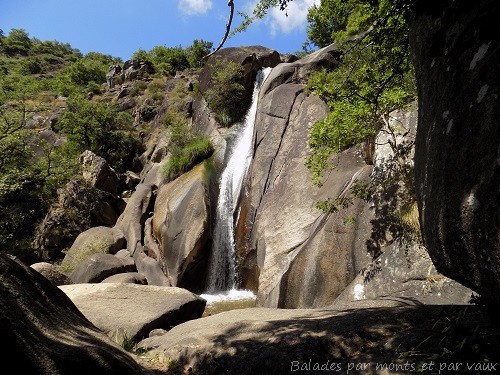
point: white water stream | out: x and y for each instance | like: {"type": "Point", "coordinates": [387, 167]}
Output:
{"type": "Point", "coordinates": [222, 274]}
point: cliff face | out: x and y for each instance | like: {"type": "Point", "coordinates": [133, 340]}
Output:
{"type": "Point", "coordinates": [457, 53]}
{"type": "Point", "coordinates": [290, 252]}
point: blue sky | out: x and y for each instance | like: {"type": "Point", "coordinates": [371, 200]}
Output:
{"type": "Point", "coordinates": [120, 28]}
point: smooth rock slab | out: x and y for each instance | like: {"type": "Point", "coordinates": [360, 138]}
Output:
{"type": "Point", "coordinates": [131, 310]}
{"type": "Point", "coordinates": [284, 341]}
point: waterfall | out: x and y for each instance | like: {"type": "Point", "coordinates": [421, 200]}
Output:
{"type": "Point", "coordinates": [222, 272]}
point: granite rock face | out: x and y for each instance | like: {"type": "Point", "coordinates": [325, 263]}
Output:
{"type": "Point", "coordinates": [290, 252]}
{"type": "Point", "coordinates": [457, 160]}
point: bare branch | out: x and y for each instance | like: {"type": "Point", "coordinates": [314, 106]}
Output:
{"type": "Point", "coordinates": [230, 3]}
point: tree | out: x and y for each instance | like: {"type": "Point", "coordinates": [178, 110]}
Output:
{"type": "Point", "coordinates": [197, 51]}
{"type": "Point", "coordinates": [169, 60]}
{"type": "Point", "coordinates": [102, 129]}
{"type": "Point", "coordinates": [17, 42]}
{"type": "Point", "coordinates": [375, 75]}
{"type": "Point", "coordinates": [20, 180]}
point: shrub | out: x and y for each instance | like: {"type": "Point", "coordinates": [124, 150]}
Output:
{"type": "Point", "coordinates": [226, 98]}
{"type": "Point", "coordinates": [84, 71]}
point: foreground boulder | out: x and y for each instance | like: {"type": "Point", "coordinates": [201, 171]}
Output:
{"type": "Point", "coordinates": [132, 311]}
{"type": "Point", "coordinates": [275, 341]}
{"type": "Point", "coordinates": [45, 333]}
{"type": "Point", "coordinates": [457, 163]}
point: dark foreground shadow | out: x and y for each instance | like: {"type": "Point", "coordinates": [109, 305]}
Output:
{"type": "Point", "coordinates": [410, 339]}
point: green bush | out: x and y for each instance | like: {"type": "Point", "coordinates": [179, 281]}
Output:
{"type": "Point", "coordinates": [226, 97]}
{"type": "Point", "coordinates": [186, 148]}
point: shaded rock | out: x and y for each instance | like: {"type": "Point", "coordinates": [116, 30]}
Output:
{"type": "Point", "coordinates": [98, 240]}
{"type": "Point", "coordinates": [126, 278]}
{"type": "Point", "coordinates": [47, 334]}
{"type": "Point", "coordinates": [140, 308]}
{"type": "Point", "coordinates": [51, 273]}
{"type": "Point", "coordinates": [78, 208]}
{"type": "Point", "coordinates": [150, 268]}
{"type": "Point", "coordinates": [100, 266]}
{"type": "Point", "coordinates": [99, 174]}
{"type": "Point", "coordinates": [271, 341]}
{"type": "Point", "coordinates": [136, 69]}
{"type": "Point", "coordinates": [181, 227]}
{"type": "Point", "coordinates": [131, 221]}
{"type": "Point", "coordinates": [405, 272]}
{"type": "Point", "coordinates": [457, 165]}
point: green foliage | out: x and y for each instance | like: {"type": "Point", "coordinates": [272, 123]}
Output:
{"type": "Point", "coordinates": [197, 51]}
{"type": "Point", "coordinates": [375, 75]}
{"type": "Point", "coordinates": [31, 65]}
{"type": "Point", "coordinates": [83, 71]}
{"type": "Point", "coordinates": [226, 97]}
{"type": "Point", "coordinates": [102, 129]}
{"type": "Point", "coordinates": [17, 42]}
{"type": "Point", "coordinates": [55, 49]}
{"type": "Point", "coordinates": [25, 187]}
{"type": "Point", "coordinates": [186, 148]}
{"type": "Point", "coordinates": [169, 60]}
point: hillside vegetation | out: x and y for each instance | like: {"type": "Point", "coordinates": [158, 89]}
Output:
{"type": "Point", "coordinates": [55, 104]}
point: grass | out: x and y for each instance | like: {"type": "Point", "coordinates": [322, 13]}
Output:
{"type": "Point", "coordinates": [183, 159]}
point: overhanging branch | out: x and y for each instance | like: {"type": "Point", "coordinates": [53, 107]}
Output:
{"type": "Point", "coordinates": [230, 3]}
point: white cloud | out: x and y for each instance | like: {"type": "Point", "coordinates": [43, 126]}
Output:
{"type": "Point", "coordinates": [192, 7]}
{"type": "Point", "coordinates": [297, 16]}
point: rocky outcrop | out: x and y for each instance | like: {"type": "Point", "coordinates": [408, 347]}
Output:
{"type": "Point", "coordinates": [404, 272]}
{"type": "Point", "coordinates": [457, 164]}
{"type": "Point", "coordinates": [99, 173]}
{"type": "Point", "coordinates": [251, 58]}
{"type": "Point", "coordinates": [181, 226]}
{"type": "Point", "coordinates": [131, 221]}
{"type": "Point", "coordinates": [281, 235]}
{"type": "Point", "coordinates": [46, 334]}
{"type": "Point", "coordinates": [138, 308]}
{"type": "Point", "coordinates": [78, 208]}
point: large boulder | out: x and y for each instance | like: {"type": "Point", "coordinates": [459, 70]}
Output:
{"type": "Point", "coordinates": [403, 272]}
{"type": "Point", "coordinates": [97, 240]}
{"type": "Point", "coordinates": [251, 58]}
{"type": "Point", "coordinates": [181, 226]}
{"type": "Point", "coordinates": [45, 333]}
{"type": "Point", "coordinates": [100, 266]}
{"type": "Point", "coordinates": [99, 173]}
{"type": "Point", "coordinates": [457, 165]}
{"type": "Point", "coordinates": [51, 273]}
{"type": "Point", "coordinates": [131, 310]}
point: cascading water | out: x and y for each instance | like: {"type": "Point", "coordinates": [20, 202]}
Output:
{"type": "Point", "coordinates": [222, 273]}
